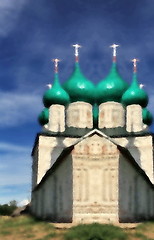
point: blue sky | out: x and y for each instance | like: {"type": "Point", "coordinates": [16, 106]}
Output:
{"type": "Point", "coordinates": [34, 32]}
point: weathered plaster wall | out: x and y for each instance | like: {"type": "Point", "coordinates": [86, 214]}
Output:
{"type": "Point", "coordinates": [79, 115]}
{"type": "Point", "coordinates": [136, 195]}
{"type": "Point", "coordinates": [111, 115]}
{"type": "Point", "coordinates": [54, 197]}
{"type": "Point", "coordinates": [45, 149]}
{"type": "Point", "coordinates": [56, 118]}
{"type": "Point", "coordinates": [95, 181]}
{"type": "Point", "coordinates": [134, 122]}
{"type": "Point", "coordinates": [34, 167]}
{"type": "Point", "coordinates": [94, 175]}
{"type": "Point", "coordinates": [141, 149]}
{"type": "Point", "coordinates": [45, 154]}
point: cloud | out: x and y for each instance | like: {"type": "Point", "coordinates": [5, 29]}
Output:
{"type": "Point", "coordinates": [15, 164]}
{"type": "Point", "coordinates": [18, 108]}
{"type": "Point", "coordinates": [13, 148]}
{"type": "Point", "coordinates": [15, 172]}
{"type": "Point", "coordinates": [23, 202]}
{"type": "Point", "coordinates": [20, 193]}
{"type": "Point", "coordinates": [21, 176]}
{"type": "Point", "coordinates": [15, 168]}
{"type": "Point", "coordinates": [9, 13]}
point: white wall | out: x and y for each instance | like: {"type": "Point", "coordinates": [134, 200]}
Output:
{"type": "Point", "coordinates": [34, 167]}
{"type": "Point", "coordinates": [141, 149]}
{"type": "Point", "coordinates": [54, 197]}
{"type": "Point", "coordinates": [45, 148]}
{"type": "Point", "coordinates": [111, 115]}
{"type": "Point", "coordinates": [46, 151]}
{"type": "Point", "coordinates": [134, 121]}
{"type": "Point", "coordinates": [94, 176]}
{"type": "Point", "coordinates": [79, 115]}
{"type": "Point", "coordinates": [95, 181]}
{"type": "Point", "coordinates": [136, 195]}
{"type": "Point", "coordinates": [56, 118]}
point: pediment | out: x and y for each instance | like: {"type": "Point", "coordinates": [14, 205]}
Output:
{"type": "Point", "coordinates": [95, 144]}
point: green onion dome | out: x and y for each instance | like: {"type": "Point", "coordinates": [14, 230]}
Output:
{"type": "Point", "coordinates": [95, 115]}
{"type": "Point", "coordinates": [43, 117]}
{"type": "Point", "coordinates": [147, 116]}
{"type": "Point", "coordinates": [135, 94]}
{"type": "Point", "coordinates": [56, 95]}
{"type": "Point", "coordinates": [112, 87]}
{"type": "Point", "coordinates": [79, 88]}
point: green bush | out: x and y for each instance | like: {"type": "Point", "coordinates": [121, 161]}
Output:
{"type": "Point", "coordinates": [7, 209]}
{"type": "Point", "coordinates": [95, 231]}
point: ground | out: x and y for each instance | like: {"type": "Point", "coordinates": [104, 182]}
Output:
{"type": "Point", "coordinates": [25, 227]}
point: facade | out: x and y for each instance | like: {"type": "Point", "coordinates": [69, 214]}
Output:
{"type": "Point", "coordinates": [93, 160]}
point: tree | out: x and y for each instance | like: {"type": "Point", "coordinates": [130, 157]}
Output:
{"type": "Point", "coordinates": [13, 203]}
{"type": "Point", "coordinates": [7, 209]}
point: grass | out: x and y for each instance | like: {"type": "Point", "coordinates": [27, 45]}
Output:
{"type": "Point", "coordinates": [145, 231]}
{"type": "Point", "coordinates": [47, 237]}
{"type": "Point", "coordinates": [95, 231]}
{"type": "Point", "coordinates": [28, 228]}
{"type": "Point", "coordinates": [5, 232]}
{"type": "Point", "coordinates": [25, 227]}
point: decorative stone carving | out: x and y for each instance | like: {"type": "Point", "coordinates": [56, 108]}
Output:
{"type": "Point", "coordinates": [95, 145]}
{"type": "Point", "coordinates": [95, 185]}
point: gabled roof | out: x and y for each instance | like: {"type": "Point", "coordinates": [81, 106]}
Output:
{"type": "Point", "coordinates": [79, 133]}
{"type": "Point", "coordinates": [91, 133]}
{"type": "Point", "coordinates": [66, 151]}
{"type": "Point", "coordinates": [125, 152]}
{"type": "Point", "coordinates": [61, 158]}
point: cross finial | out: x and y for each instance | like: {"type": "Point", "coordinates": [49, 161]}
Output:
{"type": "Point", "coordinates": [114, 46]}
{"type": "Point", "coordinates": [56, 61]}
{"type": "Point", "coordinates": [76, 46]}
{"type": "Point", "coordinates": [135, 60]}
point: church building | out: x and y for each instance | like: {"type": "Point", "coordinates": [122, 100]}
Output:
{"type": "Point", "coordinates": [93, 159]}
